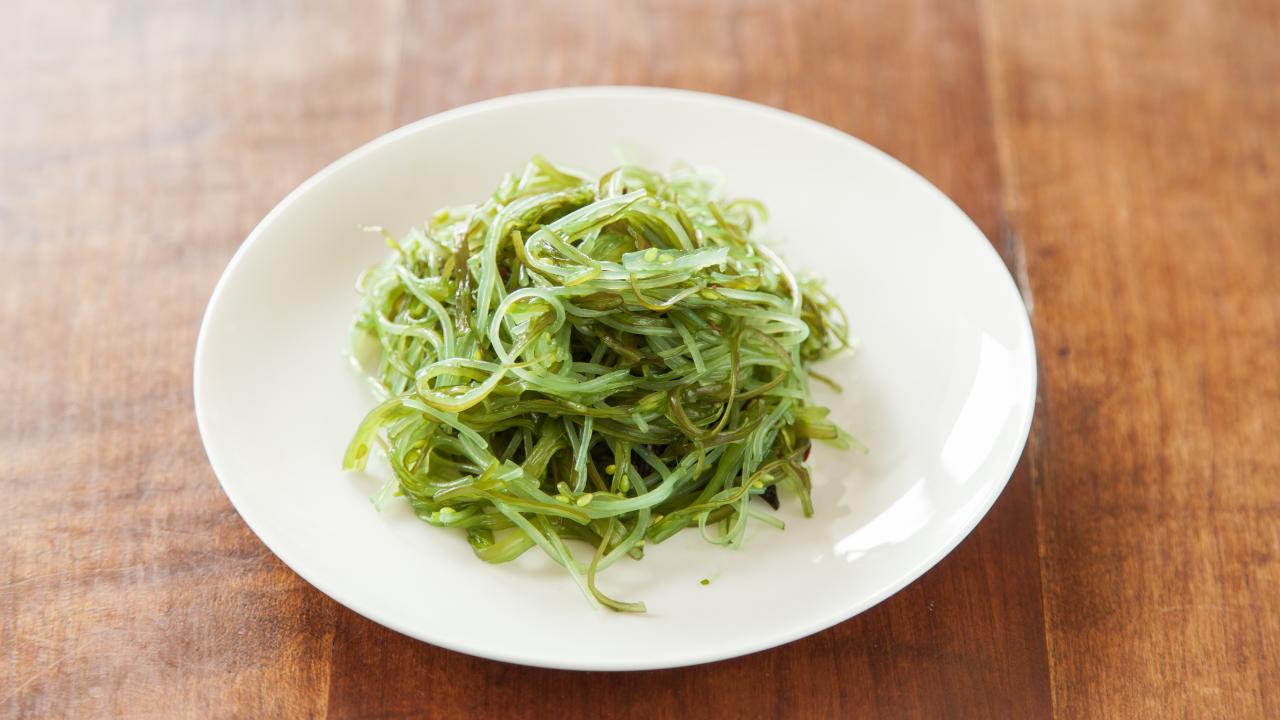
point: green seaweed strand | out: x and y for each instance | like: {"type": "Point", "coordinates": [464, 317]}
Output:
{"type": "Point", "coordinates": [604, 361]}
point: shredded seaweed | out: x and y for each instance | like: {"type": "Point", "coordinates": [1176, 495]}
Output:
{"type": "Point", "coordinates": [606, 361]}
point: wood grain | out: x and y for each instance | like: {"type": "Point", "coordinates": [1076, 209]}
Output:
{"type": "Point", "coordinates": [1141, 150]}
{"type": "Point", "coordinates": [1124, 158]}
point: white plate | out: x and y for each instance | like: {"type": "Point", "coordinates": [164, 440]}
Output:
{"type": "Point", "coordinates": [942, 389]}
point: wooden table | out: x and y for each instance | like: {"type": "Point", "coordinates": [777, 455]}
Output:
{"type": "Point", "coordinates": [1123, 157]}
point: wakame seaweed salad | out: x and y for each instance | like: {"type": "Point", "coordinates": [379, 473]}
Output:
{"type": "Point", "coordinates": [606, 361]}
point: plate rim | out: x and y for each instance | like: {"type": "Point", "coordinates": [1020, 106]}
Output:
{"type": "Point", "coordinates": [674, 659]}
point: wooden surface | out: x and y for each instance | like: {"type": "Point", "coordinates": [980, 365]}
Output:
{"type": "Point", "coordinates": [1123, 156]}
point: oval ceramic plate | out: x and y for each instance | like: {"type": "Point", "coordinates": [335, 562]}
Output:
{"type": "Point", "coordinates": [941, 390]}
